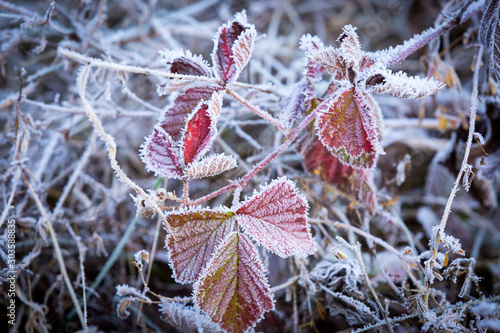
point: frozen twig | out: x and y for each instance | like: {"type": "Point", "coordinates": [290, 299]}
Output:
{"type": "Point", "coordinates": [57, 249]}
{"type": "Point", "coordinates": [110, 143]}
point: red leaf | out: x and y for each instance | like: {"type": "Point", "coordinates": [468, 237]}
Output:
{"type": "Point", "coordinates": [201, 129]}
{"type": "Point", "coordinates": [233, 289]}
{"type": "Point", "coordinates": [276, 217]}
{"type": "Point", "coordinates": [174, 119]}
{"type": "Point", "coordinates": [197, 233]}
{"type": "Point", "coordinates": [160, 155]}
{"type": "Point", "coordinates": [233, 47]}
{"type": "Point", "coordinates": [186, 63]}
{"type": "Point", "coordinates": [358, 183]}
{"type": "Point", "coordinates": [346, 127]}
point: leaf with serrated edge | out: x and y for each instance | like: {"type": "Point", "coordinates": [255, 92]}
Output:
{"type": "Point", "coordinates": [210, 166]}
{"type": "Point", "coordinates": [233, 289]}
{"type": "Point", "coordinates": [180, 62]}
{"type": "Point", "coordinates": [195, 234]}
{"type": "Point", "coordinates": [174, 118]}
{"type": "Point", "coordinates": [201, 129]}
{"type": "Point", "coordinates": [346, 127]}
{"type": "Point", "coordinates": [232, 48]}
{"type": "Point", "coordinates": [160, 155]}
{"type": "Point", "coordinates": [276, 217]}
{"type": "Point", "coordinates": [401, 85]}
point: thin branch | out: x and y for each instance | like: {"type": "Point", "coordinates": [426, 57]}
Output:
{"type": "Point", "coordinates": [59, 256]}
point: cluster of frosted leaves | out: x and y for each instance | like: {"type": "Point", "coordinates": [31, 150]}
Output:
{"type": "Point", "coordinates": [188, 127]}
{"type": "Point", "coordinates": [347, 121]}
{"type": "Point", "coordinates": [231, 287]}
{"type": "Point", "coordinates": [169, 158]}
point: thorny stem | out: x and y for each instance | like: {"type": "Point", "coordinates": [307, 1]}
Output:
{"type": "Point", "coordinates": [400, 52]}
{"type": "Point", "coordinates": [57, 250]}
{"type": "Point", "coordinates": [110, 143]}
{"type": "Point", "coordinates": [255, 109]}
{"type": "Point", "coordinates": [472, 122]}
{"type": "Point", "coordinates": [241, 183]}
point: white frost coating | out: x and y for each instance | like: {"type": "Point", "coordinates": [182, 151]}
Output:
{"type": "Point", "coordinates": [186, 317]}
{"type": "Point", "coordinates": [276, 218]}
{"type": "Point", "coordinates": [401, 85]}
{"type": "Point", "coordinates": [161, 159]}
{"type": "Point", "coordinates": [210, 166]}
{"type": "Point", "coordinates": [309, 44]}
{"type": "Point", "coordinates": [243, 47]}
{"type": "Point", "coordinates": [350, 49]}
{"type": "Point", "coordinates": [329, 58]}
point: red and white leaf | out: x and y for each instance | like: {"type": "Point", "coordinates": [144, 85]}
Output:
{"type": "Point", "coordinates": [346, 127]}
{"type": "Point", "coordinates": [160, 155]}
{"type": "Point", "coordinates": [233, 289]}
{"type": "Point", "coordinates": [211, 166]}
{"type": "Point", "coordinates": [201, 129]}
{"type": "Point", "coordinates": [276, 218]}
{"type": "Point", "coordinates": [180, 62]}
{"type": "Point", "coordinates": [401, 85]}
{"type": "Point", "coordinates": [174, 119]}
{"type": "Point", "coordinates": [233, 46]}
{"type": "Point", "coordinates": [331, 60]}
{"type": "Point", "coordinates": [195, 235]}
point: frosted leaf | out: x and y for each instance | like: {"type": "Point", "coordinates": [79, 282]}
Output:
{"type": "Point", "coordinates": [318, 160]}
{"type": "Point", "coordinates": [294, 105]}
{"type": "Point", "coordinates": [195, 234]}
{"type": "Point", "coordinates": [232, 48]}
{"type": "Point", "coordinates": [400, 85]}
{"type": "Point", "coordinates": [467, 177]}
{"type": "Point", "coordinates": [211, 166]}
{"type": "Point", "coordinates": [350, 49]}
{"type": "Point", "coordinates": [451, 243]}
{"type": "Point", "coordinates": [276, 217]}
{"type": "Point", "coordinates": [346, 127]}
{"type": "Point", "coordinates": [489, 35]}
{"type": "Point", "coordinates": [201, 129]}
{"type": "Point", "coordinates": [180, 62]}
{"type": "Point", "coordinates": [186, 318]}
{"type": "Point", "coordinates": [331, 60]}
{"type": "Point", "coordinates": [174, 119]}
{"type": "Point", "coordinates": [160, 155]}
{"type": "Point", "coordinates": [313, 70]}
{"type": "Point", "coordinates": [233, 289]}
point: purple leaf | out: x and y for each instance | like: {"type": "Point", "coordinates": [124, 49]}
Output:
{"type": "Point", "coordinates": [160, 155]}
{"type": "Point", "coordinates": [232, 49]}
{"type": "Point", "coordinates": [276, 217]}
{"type": "Point", "coordinates": [196, 233]}
{"type": "Point", "coordinates": [233, 289]}
{"type": "Point", "coordinates": [174, 119]}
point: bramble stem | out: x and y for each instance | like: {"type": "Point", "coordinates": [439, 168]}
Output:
{"type": "Point", "coordinates": [400, 52]}
{"type": "Point", "coordinates": [255, 109]}
{"type": "Point", "coordinates": [241, 183]}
